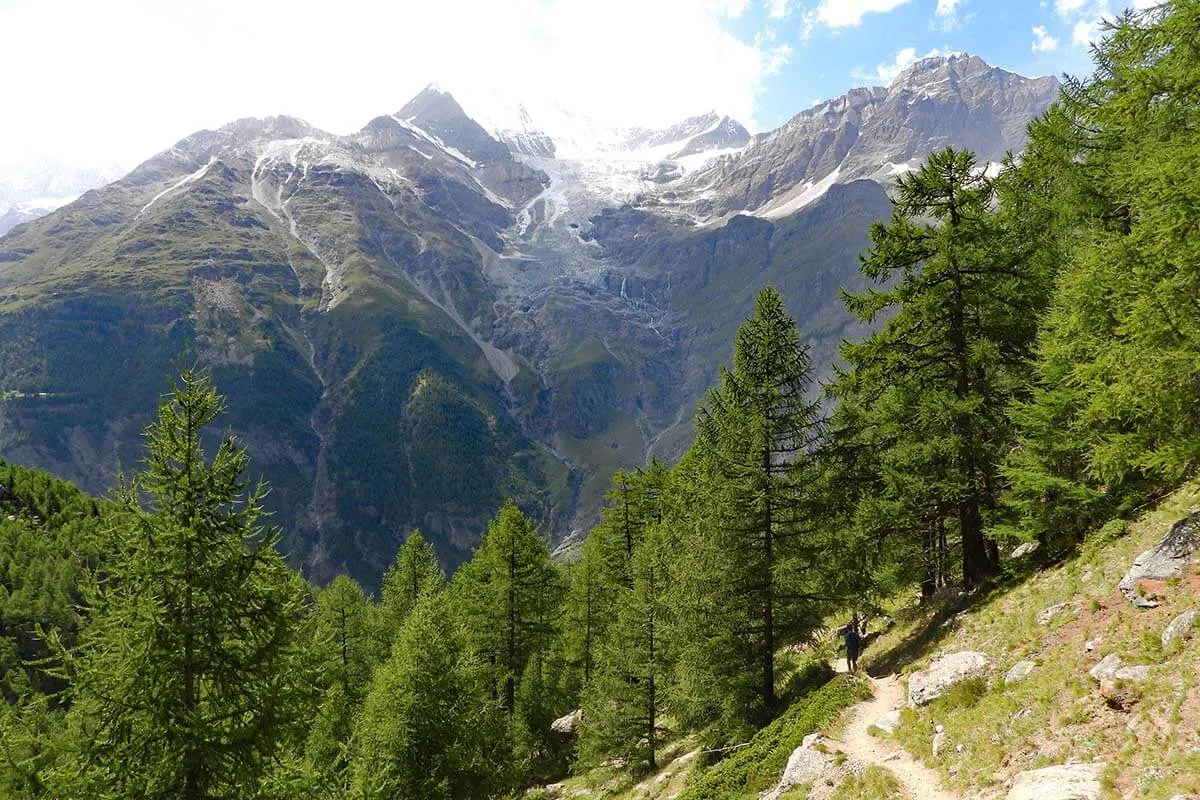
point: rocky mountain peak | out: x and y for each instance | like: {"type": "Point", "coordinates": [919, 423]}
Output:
{"type": "Point", "coordinates": [435, 111]}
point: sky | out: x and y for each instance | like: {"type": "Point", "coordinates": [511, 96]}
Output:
{"type": "Point", "coordinates": [91, 82]}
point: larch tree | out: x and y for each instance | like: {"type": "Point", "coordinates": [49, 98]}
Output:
{"type": "Point", "coordinates": [189, 679]}
{"type": "Point", "coordinates": [753, 570]}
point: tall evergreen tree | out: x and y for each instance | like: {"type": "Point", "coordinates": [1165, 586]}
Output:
{"type": "Point", "coordinates": [345, 651]}
{"type": "Point", "coordinates": [623, 711]}
{"type": "Point", "coordinates": [1116, 417]}
{"type": "Point", "coordinates": [754, 574]}
{"type": "Point", "coordinates": [509, 594]}
{"type": "Point", "coordinates": [933, 383]}
{"type": "Point", "coordinates": [428, 727]}
{"type": "Point", "coordinates": [188, 680]}
{"type": "Point", "coordinates": [415, 572]}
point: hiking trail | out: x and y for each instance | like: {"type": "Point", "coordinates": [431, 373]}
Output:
{"type": "Point", "coordinates": [921, 782]}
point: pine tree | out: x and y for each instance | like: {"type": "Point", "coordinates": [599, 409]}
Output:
{"type": "Point", "coordinates": [1115, 417]}
{"type": "Point", "coordinates": [623, 708]}
{"type": "Point", "coordinates": [932, 385]}
{"type": "Point", "coordinates": [415, 572]}
{"type": "Point", "coordinates": [428, 727]}
{"type": "Point", "coordinates": [189, 679]}
{"type": "Point", "coordinates": [509, 595]}
{"type": "Point", "coordinates": [751, 575]}
{"type": "Point", "coordinates": [345, 649]}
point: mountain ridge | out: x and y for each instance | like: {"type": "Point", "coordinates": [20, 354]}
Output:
{"type": "Point", "coordinates": [482, 297]}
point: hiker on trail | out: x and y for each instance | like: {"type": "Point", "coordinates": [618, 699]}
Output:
{"type": "Point", "coordinates": [853, 636]}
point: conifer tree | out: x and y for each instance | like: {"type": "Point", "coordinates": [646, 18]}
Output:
{"type": "Point", "coordinates": [623, 708]}
{"type": "Point", "coordinates": [752, 573]}
{"type": "Point", "coordinates": [415, 571]}
{"type": "Point", "coordinates": [1115, 417]}
{"type": "Point", "coordinates": [345, 649]}
{"type": "Point", "coordinates": [189, 679]}
{"type": "Point", "coordinates": [933, 383]}
{"type": "Point", "coordinates": [428, 728]}
{"type": "Point", "coordinates": [509, 595]}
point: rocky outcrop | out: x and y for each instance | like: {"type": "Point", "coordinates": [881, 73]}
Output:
{"type": "Point", "coordinates": [1026, 549]}
{"type": "Point", "coordinates": [1066, 782]}
{"type": "Point", "coordinates": [1168, 559]}
{"type": "Point", "coordinates": [1058, 609]}
{"type": "Point", "coordinates": [1019, 672]}
{"type": "Point", "coordinates": [1179, 628]}
{"type": "Point", "coordinates": [804, 766]}
{"type": "Point", "coordinates": [929, 684]}
{"type": "Point", "coordinates": [568, 723]}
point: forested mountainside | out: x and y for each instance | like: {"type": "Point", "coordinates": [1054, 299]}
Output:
{"type": "Point", "coordinates": [1029, 387]}
{"type": "Point", "coordinates": [413, 322]}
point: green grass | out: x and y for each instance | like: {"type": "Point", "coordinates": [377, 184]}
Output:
{"type": "Point", "coordinates": [757, 766]}
{"type": "Point", "coordinates": [874, 783]}
{"type": "Point", "coordinates": [1056, 715]}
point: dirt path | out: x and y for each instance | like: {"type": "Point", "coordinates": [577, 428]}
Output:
{"type": "Point", "coordinates": [920, 781]}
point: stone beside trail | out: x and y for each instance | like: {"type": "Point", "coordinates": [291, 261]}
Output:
{"type": "Point", "coordinates": [1066, 782]}
{"type": "Point", "coordinates": [804, 765]}
{"type": "Point", "coordinates": [1166, 560]}
{"type": "Point", "coordinates": [927, 685]}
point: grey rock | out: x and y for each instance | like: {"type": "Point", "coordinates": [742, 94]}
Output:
{"type": "Point", "coordinates": [1166, 560]}
{"type": "Point", "coordinates": [567, 723]}
{"type": "Point", "coordinates": [1026, 549]}
{"type": "Point", "coordinates": [805, 765]}
{"type": "Point", "coordinates": [888, 723]}
{"type": "Point", "coordinates": [1179, 628]}
{"type": "Point", "coordinates": [1066, 782]}
{"type": "Point", "coordinates": [927, 685]}
{"type": "Point", "coordinates": [1047, 616]}
{"type": "Point", "coordinates": [1019, 672]}
{"type": "Point", "coordinates": [1106, 669]}
{"type": "Point", "coordinates": [1132, 674]}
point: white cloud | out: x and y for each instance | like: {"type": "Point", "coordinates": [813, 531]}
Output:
{"type": "Point", "coordinates": [808, 24]}
{"type": "Point", "coordinates": [1043, 42]}
{"type": "Point", "coordinates": [946, 8]}
{"type": "Point", "coordinates": [125, 78]}
{"type": "Point", "coordinates": [849, 13]}
{"type": "Point", "coordinates": [778, 9]}
{"type": "Point", "coordinates": [888, 72]}
{"type": "Point", "coordinates": [1086, 31]}
{"type": "Point", "coordinates": [946, 15]}
{"type": "Point", "coordinates": [1066, 8]}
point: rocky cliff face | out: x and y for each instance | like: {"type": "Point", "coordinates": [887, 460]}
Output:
{"type": "Point", "coordinates": [420, 319]}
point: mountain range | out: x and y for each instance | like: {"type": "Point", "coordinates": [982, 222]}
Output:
{"type": "Point", "coordinates": [419, 319]}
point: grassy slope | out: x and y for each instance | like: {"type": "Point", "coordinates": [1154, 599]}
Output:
{"type": "Point", "coordinates": [1057, 715]}
{"type": "Point", "coordinates": [1152, 750]}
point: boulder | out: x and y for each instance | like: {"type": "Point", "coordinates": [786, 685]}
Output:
{"type": "Point", "coordinates": [927, 685]}
{"type": "Point", "coordinates": [1167, 560]}
{"type": "Point", "coordinates": [1106, 669]}
{"type": "Point", "coordinates": [1067, 782]}
{"type": "Point", "coordinates": [888, 723]}
{"type": "Point", "coordinates": [1179, 628]}
{"type": "Point", "coordinates": [1132, 674]}
{"type": "Point", "coordinates": [1027, 549]}
{"type": "Point", "coordinates": [1019, 672]}
{"type": "Point", "coordinates": [568, 723]}
{"type": "Point", "coordinates": [805, 765]}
